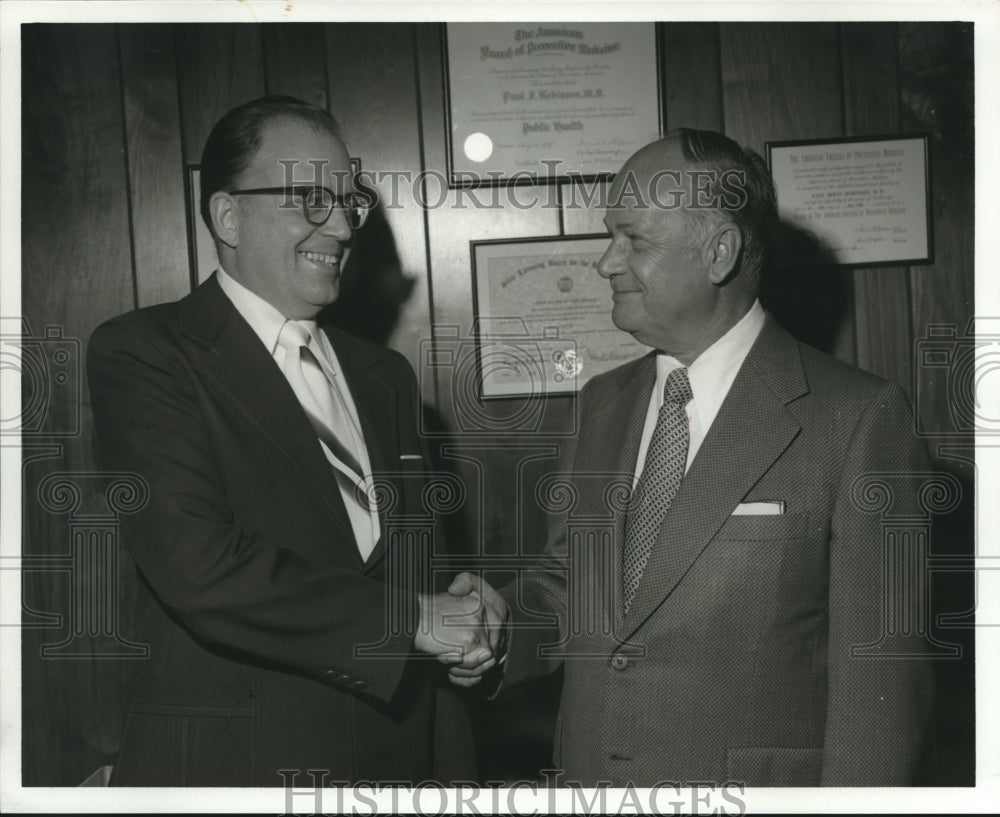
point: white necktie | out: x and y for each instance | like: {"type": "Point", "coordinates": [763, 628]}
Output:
{"type": "Point", "coordinates": [325, 407]}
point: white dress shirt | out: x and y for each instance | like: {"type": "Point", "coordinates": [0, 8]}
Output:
{"type": "Point", "coordinates": [711, 376]}
{"type": "Point", "coordinates": [266, 322]}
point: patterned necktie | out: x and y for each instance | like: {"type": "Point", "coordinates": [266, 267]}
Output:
{"type": "Point", "coordinates": [327, 411]}
{"type": "Point", "coordinates": [319, 397]}
{"type": "Point", "coordinates": [661, 477]}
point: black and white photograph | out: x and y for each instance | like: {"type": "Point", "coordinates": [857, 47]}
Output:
{"type": "Point", "coordinates": [461, 409]}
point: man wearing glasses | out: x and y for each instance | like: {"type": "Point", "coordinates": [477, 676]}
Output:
{"type": "Point", "coordinates": [285, 626]}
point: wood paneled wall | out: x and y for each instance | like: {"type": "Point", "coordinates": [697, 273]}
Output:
{"type": "Point", "coordinates": [113, 115]}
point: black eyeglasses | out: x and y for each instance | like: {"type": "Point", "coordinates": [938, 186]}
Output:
{"type": "Point", "coordinates": [318, 202]}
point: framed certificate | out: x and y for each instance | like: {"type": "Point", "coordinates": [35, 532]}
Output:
{"type": "Point", "coordinates": [866, 201]}
{"type": "Point", "coordinates": [543, 316]}
{"type": "Point", "coordinates": [544, 102]}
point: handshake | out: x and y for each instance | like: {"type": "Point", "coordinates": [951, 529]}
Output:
{"type": "Point", "coordinates": [463, 628]}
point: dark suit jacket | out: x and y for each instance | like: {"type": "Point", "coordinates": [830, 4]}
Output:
{"type": "Point", "coordinates": [735, 660]}
{"type": "Point", "coordinates": [254, 595]}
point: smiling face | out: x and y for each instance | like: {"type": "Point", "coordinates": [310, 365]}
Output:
{"type": "Point", "coordinates": [664, 267]}
{"type": "Point", "coordinates": [273, 250]}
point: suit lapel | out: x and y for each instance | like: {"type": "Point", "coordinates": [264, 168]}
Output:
{"type": "Point", "coordinates": [241, 367]}
{"type": "Point", "coordinates": [752, 429]}
{"type": "Point", "coordinates": [622, 404]}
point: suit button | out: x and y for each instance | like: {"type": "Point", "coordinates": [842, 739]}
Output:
{"type": "Point", "coordinates": [331, 673]}
{"type": "Point", "coordinates": [358, 684]}
{"type": "Point", "coordinates": [619, 662]}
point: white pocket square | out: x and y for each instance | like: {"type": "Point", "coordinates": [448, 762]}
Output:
{"type": "Point", "coordinates": [410, 457]}
{"type": "Point", "coordinates": [759, 509]}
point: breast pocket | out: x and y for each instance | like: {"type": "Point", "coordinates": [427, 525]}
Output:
{"type": "Point", "coordinates": [751, 527]}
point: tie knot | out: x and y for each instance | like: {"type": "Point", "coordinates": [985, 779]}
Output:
{"type": "Point", "coordinates": [294, 335]}
{"type": "Point", "coordinates": [678, 388]}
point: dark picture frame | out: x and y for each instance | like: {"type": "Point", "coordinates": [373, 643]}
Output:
{"type": "Point", "coordinates": [866, 200]}
{"type": "Point", "coordinates": [541, 162]}
{"type": "Point", "coordinates": [542, 316]}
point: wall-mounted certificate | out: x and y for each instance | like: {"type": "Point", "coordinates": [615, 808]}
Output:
{"type": "Point", "coordinates": [543, 316]}
{"type": "Point", "coordinates": [866, 201]}
{"type": "Point", "coordinates": [540, 102]}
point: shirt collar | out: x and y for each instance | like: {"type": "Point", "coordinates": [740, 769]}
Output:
{"type": "Point", "coordinates": [714, 370]}
{"type": "Point", "coordinates": [264, 319]}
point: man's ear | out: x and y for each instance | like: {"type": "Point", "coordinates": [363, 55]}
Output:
{"type": "Point", "coordinates": [722, 251]}
{"type": "Point", "coordinates": [225, 218]}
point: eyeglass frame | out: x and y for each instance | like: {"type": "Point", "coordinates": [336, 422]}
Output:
{"type": "Point", "coordinates": [301, 189]}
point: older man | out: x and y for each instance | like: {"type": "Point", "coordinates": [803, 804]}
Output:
{"type": "Point", "coordinates": [744, 588]}
{"type": "Point", "coordinates": [283, 621]}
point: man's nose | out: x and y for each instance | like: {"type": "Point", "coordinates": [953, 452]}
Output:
{"type": "Point", "coordinates": [337, 226]}
{"type": "Point", "coordinates": [613, 260]}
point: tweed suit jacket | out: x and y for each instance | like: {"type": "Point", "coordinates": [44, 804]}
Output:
{"type": "Point", "coordinates": [254, 598]}
{"type": "Point", "coordinates": [754, 649]}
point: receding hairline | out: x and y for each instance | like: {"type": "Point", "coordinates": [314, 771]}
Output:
{"type": "Point", "coordinates": [297, 118]}
{"type": "Point", "coordinates": [293, 119]}
{"type": "Point", "coordinates": [664, 154]}
{"type": "Point", "coordinates": [664, 161]}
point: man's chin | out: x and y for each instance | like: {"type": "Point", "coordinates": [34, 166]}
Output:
{"type": "Point", "coordinates": [632, 326]}
{"type": "Point", "coordinates": [328, 299]}
{"type": "Point", "coordinates": [621, 319]}
{"type": "Point", "coordinates": [309, 304]}
{"type": "Point", "coordinates": [324, 292]}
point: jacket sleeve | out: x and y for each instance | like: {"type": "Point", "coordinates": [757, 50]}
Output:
{"type": "Point", "coordinates": [238, 593]}
{"type": "Point", "coordinates": [879, 678]}
{"type": "Point", "coordinates": [537, 599]}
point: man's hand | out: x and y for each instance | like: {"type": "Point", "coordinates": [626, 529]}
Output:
{"type": "Point", "coordinates": [455, 629]}
{"type": "Point", "coordinates": [469, 586]}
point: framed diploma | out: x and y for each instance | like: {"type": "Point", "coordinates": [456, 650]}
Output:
{"type": "Point", "coordinates": [543, 316]}
{"type": "Point", "coordinates": [866, 201]}
{"type": "Point", "coordinates": [544, 102]}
